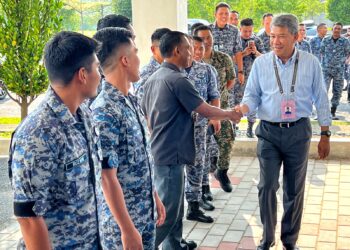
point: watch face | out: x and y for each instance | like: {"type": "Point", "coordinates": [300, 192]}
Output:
{"type": "Point", "coordinates": [327, 133]}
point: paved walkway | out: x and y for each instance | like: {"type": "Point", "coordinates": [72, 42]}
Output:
{"type": "Point", "coordinates": [326, 220]}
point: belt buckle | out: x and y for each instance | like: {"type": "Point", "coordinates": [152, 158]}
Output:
{"type": "Point", "coordinates": [284, 125]}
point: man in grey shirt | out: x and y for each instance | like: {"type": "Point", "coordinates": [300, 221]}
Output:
{"type": "Point", "coordinates": [169, 102]}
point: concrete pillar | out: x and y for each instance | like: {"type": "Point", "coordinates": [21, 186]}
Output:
{"type": "Point", "coordinates": [148, 15]}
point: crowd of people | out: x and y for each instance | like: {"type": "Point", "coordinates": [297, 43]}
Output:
{"type": "Point", "coordinates": [107, 159]}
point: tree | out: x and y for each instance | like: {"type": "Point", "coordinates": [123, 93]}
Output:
{"type": "Point", "coordinates": [25, 28]}
{"type": "Point", "coordinates": [86, 7]}
{"type": "Point", "coordinates": [122, 7]}
{"type": "Point", "coordinates": [70, 19]}
{"type": "Point", "coordinates": [338, 11]}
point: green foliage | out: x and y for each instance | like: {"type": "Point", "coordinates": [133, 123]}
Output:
{"type": "Point", "coordinates": [256, 8]}
{"type": "Point", "coordinates": [25, 28]}
{"type": "Point", "coordinates": [70, 19]}
{"type": "Point", "coordinates": [338, 11]}
{"type": "Point", "coordinates": [122, 7]}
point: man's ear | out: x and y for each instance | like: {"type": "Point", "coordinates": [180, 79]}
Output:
{"type": "Point", "coordinates": [81, 75]}
{"type": "Point", "coordinates": [176, 51]}
{"type": "Point", "coordinates": [124, 60]}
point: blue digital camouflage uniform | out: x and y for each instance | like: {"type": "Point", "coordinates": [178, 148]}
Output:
{"type": "Point", "coordinates": [125, 147]}
{"type": "Point", "coordinates": [145, 73]}
{"type": "Point", "coordinates": [334, 55]}
{"type": "Point", "coordinates": [315, 44]}
{"type": "Point", "coordinates": [304, 46]}
{"type": "Point", "coordinates": [265, 38]}
{"type": "Point", "coordinates": [205, 80]}
{"type": "Point", "coordinates": [247, 66]}
{"type": "Point", "coordinates": [56, 172]}
{"type": "Point", "coordinates": [227, 39]}
{"type": "Point", "coordinates": [224, 66]}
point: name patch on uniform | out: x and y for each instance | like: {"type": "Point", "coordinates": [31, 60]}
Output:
{"type": "Point", "coordinates": [80, 160]}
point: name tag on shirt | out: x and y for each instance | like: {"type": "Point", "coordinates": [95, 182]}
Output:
{"type": "Point", "coordinates": [216, 47]}
{"type": "Point", "coordinates": [288, 110]}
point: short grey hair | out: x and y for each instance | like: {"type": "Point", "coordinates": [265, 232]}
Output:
{"type": "Point", "coordinates": [289, 21]}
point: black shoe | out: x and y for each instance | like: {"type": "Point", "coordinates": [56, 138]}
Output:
{"type": "Point", "coordinates": [194, 213]}
{"type": "Point", "coordinates": [333, 110]}
{"type": "Point", "coordinates": [265, 246]}
{"type": "Point", "coordinates": [206, 193]}
{"type": "Point", "coordinates": [290, 247]}
{"type": "Point", "coordinates": [190, 244]}
{"type": "Point", "coordinates": [225, 183]}
{"type": "Point", "coordinates": [250, 133]}
{"type": "Point", "coordinates": [206, 205]}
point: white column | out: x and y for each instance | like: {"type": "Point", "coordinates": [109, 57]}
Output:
{"type": "Point", "coordinates": [148, 15]}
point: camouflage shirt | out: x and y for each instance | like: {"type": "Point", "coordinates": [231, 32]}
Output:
{"type": "Point", "coordinates": [145, 73]}
{"type": "Point", "coordinates": [224, 67]}
{"type": "Point", "coordinates": [205, 80]}
{"type": "Point", "coordinates": [315, 44]}
{"type": "Point", "coordinates": [248, 60]}
{"type": "Point", "coordinates": [124, 147]}
{"type": "Point", "coordinates": [333, 53]}
{"type": "Point", "coordinates": [265, 38]}
{"type": "Point", "coordinates": [56, 173]}
{"type": "Point", "coordinates": [303, 45]}
{"type": "Point", "coordinates": [227, 39]}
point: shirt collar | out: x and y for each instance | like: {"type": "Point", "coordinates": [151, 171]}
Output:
{"type": "Point", "coordinates": [290, 60]}
{"type": "Point", "coordinates": [170, 66]}
{"type": "Point", "coordinates": [216, 26]}
{"type": "Point", "coordinates": [153, 61]}
{"type": "Point", "coordinates": [115, 94]}
{"type": "Point", "coordinates": [60, 109]}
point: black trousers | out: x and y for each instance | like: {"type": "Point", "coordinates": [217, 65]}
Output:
{"type": "Point", "coordinates": [290, 147]}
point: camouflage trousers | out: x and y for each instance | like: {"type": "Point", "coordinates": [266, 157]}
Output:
{"type": "Point", "coordinates": [238, 92]}
{"type": "Point", "coordinates": [337, 75]}
{"type": "Point", "coordinates": [225, 139]}
{"type": "Point", "coordinates": [347, 72]}
{"type": "Point", "coordinates": [212, 151]}
{"type": "Point", "coordinates": [194, 173]}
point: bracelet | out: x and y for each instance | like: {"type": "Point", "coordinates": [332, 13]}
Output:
{"type": "Point", "coordinates": [240, 72]}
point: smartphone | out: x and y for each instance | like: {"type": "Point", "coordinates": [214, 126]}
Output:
{"type": "Point", "coordinates": [251, 43]}
{"type": "Point", "coordinates": [211, 130]}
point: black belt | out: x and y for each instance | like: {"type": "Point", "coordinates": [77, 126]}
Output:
{"type": "Point", "coordinates": [285, 124]}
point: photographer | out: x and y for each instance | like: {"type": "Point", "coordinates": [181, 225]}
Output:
{"type": "Point", "coordinates": [252, 48]}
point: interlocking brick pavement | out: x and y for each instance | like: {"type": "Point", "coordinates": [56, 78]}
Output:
{"type": "Point", "coordinates": [237, 226]}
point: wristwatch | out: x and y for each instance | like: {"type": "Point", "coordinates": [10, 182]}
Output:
{"type": "Point", "coordinates": [326, 133]}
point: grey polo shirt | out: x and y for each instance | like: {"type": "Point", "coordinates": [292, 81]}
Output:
{"type": "Point", "coordinates": [168, 101]}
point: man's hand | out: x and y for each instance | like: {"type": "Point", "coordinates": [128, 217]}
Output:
{"type": "Point", "coordinates": [241, 78]}
{"type": "Point", "coordinates": [323, 147]}
{"type": "Point", "coordinates": [216, 124]}
{"type": "Point", "coordinates": [236, 116]}
{"type": "Point", "coordinates": [160, 210]}
{"type": "Point", "coordinates": [132, 239]}
{"type": "Point", "coordinates": [247, 51]}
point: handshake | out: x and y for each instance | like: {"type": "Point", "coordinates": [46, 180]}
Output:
{"type": "Point", "coordinates": [237, 113]}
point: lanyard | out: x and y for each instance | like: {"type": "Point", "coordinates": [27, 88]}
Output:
{"type": "Point", "coordinates": [292, 88]}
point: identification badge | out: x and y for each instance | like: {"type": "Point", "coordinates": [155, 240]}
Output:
{"type": "Point", "coordinates": [288, 110]}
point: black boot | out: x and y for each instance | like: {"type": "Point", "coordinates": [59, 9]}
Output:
{"type": "Point", "coordinates": [250, 133]}
{"type": "Point", "coordinates": [213, 164]}
{"type": "Point", "coordinates": [206, 193]}
{"type": "Point", "coordinates": [225, 183]}
{"type": "Point", "coordinates": [190, 244]}
{"type": "Point", "coordinates": [333, 110]}
{"type": "Point", "coordinates": [206, 205]}
{"type": "Point", "coordinates": [194, 213]}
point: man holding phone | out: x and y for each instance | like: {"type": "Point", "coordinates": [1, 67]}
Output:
{"type": "Point", "coordinates": [253, 47]}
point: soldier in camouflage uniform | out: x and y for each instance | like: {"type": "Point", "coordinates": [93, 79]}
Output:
{"type": "Point", "coordinates": [224, 66]}
{"type": "Point", "coordinates": [154, 63]}
{"type": "Point", "coordinates": [265, 35]}
{"type": "Point", "coordinates": [334, 51]}
{"type": "Point", "coordinates": [316, 41]}
{"type": "Point", "coordinates": [347, 68]}
{"type": "Point", "coordinates": [127, 166]}
{"type": "Point", "coordinates": [252, 48]}
{"type": "Point", "coordinates": [205, 81]}
{"type": "Point", "coordinates": [226, 37]}
{"type": "Point", "coordinates": [302, 44]}
{"type": "Point", "coordinates": [55, 154]}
